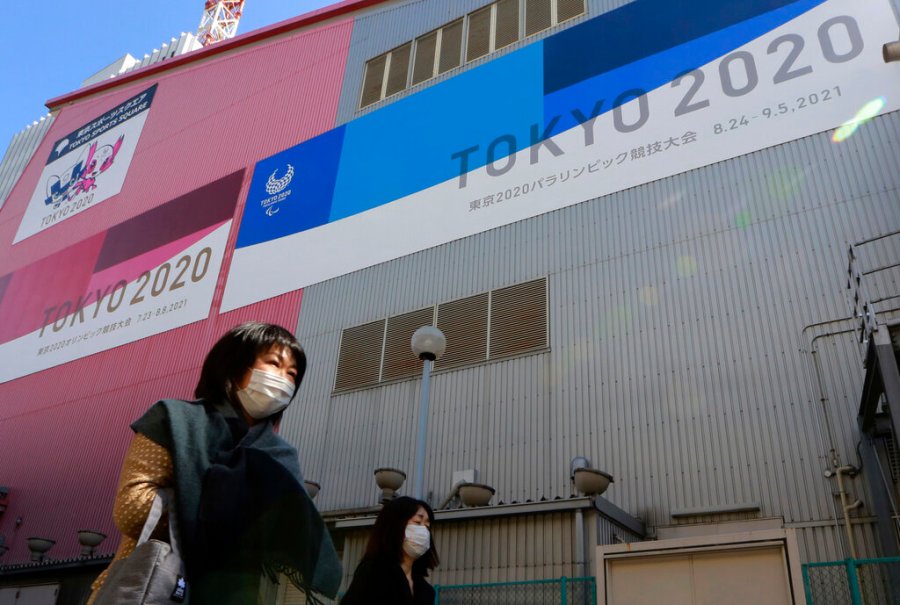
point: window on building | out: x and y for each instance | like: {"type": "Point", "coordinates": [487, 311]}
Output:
{"type": "Point", "coordinates": [493, 325]}
{"type": "Point", "coordinates": [538, 16]}
{"type": "Point", "coordinates": [450, 55]}
{"type": "Point", "coordinates": [386, 75]}
{"type": "Point", "coordinates": [426, 52]}
{"type": "Point", "coordinates": [397, 69]}
{"type": "Point", "coordinates": [488, 30]}
{"type": "Point", "coordinates": [491, 28]}
{"type": "Point", "coordinates": [568, 9]}
{"type": "Point", "coordinates": [373, 83]}
{"type": "Point", "coordinates": [437, 52]}
{"type": "Point", "coordinates": [478, 42]}
{"type": "Point", "coordinates": [506, 23]}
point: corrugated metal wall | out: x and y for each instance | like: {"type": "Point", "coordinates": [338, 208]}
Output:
{"type": "Point", "coordinates": [64, 430]}
{"type": "Point", "coordinates": [501, 549]}
{"type": "Point", "coordinates": [679, 361]}
{"type": "Point", "coordinates": [19, 152]}
{"type": "Point", "coordinates": [828, 543]}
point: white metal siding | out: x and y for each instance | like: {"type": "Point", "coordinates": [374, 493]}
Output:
{"type": "Point", "coordinates": [18, 154]}
{"type": "Point", "coordinates": [678, 357]}
{"type": "Point", "coordinates": [503, 549]}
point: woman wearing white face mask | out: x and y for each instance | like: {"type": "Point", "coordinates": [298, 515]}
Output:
{"type": "Point", "coordinates": [398, 557]}
{"type": "Point", "coordinates": [238, 494]}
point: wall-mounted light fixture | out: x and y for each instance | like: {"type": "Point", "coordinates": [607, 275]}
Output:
{"type": "Point", "coordinates": [89, 540]}
{"type": "Point", "coordinates": [389, 480]}
{"type": "Point", "coordinates": [589, 481]}
{"type": "Point", "coordinates": [476, 494]}
{"type": "Point", "coordinates": [592, 482]}
{"type": "Point", "coordinates": [312, 488]}
{"type": "Point", "coordinates": [891, 51]}
{"type": "Point", "coordinates": [39, 547]}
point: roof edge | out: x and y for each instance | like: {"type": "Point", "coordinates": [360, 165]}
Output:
{"type": "Point", "coordinates": [251, 37]}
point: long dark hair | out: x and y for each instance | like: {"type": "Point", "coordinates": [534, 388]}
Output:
{"type": "Point", "coordinates": [386, 537]}
{"type": "Point", "coordinates": [235, 353]}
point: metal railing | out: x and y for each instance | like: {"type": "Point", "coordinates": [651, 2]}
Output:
{"type": "Point", "coordinates": [557, 591]}
{"type": "Point", "coordinates": [853, 582]}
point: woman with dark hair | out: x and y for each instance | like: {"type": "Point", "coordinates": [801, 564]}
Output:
{"type": "Point", "coordinates": [240, 504]}
{"type": "Point", "coordinates": [398, 557]}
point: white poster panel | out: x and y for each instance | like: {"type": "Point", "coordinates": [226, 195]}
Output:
{"type": "Point", "coordinates": [149, 274]}
{"type": "Point", "coordinates": [86, 167]}
{"type": "Point", "coordinates": [806, 68]}
{"type": "Point", "coordinates": [115, 311]}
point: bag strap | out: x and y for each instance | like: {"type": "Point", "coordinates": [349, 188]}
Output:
{"type": "Point", "coordinates": [163, 500]}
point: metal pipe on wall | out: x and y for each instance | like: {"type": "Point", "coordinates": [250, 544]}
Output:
{"type": "Point", "coordinates": [834, 457]}
{"type": "Point", "coordinates": [579, 543]}
{"type": "Point", "coordinates": [840, 472]}
{"type": "Point", "coordinates": [423, 430]}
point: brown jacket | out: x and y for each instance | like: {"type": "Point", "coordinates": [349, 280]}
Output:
{"type": "Point", "coordinates": [147, 467]}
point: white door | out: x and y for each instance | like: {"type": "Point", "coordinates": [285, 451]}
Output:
{"type": "Point", "coordinates": [29, 595]}
{"type": "Point", "coordinates": [742, 576]}
{"type": "Point", "coordinates": [8, 596]}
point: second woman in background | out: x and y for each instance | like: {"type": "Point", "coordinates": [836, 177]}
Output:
{"type": "Point", "coordinates": [398, 557]}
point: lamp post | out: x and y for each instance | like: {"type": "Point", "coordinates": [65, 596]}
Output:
{"type": "Point", "coordinates": [428, 344]}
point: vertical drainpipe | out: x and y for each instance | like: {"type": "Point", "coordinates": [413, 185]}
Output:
{"type": "Point", "coordinates": [579, 543]}
{"type": "Point", "coordinates": [847, 506]}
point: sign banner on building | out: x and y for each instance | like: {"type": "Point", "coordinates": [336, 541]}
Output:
{"type": "Point", "coordinates": [152, 273]}
{"type": "Point", "coordinates": [87, 166]}
{"type": "Point", "coordinates": [650, 90]}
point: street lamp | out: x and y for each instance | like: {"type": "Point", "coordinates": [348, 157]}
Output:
{"type": "Point", "coordinates": [428, 344]}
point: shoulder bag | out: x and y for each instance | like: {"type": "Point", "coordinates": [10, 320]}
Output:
{"type": "Point", "coordinates": [153, 574]}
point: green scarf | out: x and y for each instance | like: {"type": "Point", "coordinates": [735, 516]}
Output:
{"type": "Point", "coordinates": [241, 505]}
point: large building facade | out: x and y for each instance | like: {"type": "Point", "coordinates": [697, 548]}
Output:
{"type": "Point", "coordinates": [631, 220]}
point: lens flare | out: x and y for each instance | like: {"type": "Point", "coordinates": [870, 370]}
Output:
{"type": "Point", "coordinates": [648, 295]}
{"type": "Point", "coordinates": [868, 111]}
{"type": "Point", "coordinates": [743, 219]}
{"type": "Point", "coordinates": [686, 266]}
{"type": "Point", "coordinates": [786, 182]}
{"type": "Point", "coordinates": [615, 321]}
{"type": "Point", "coordinates": [671, 201]}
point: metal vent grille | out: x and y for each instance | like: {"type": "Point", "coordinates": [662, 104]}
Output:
{"type": "Point", "coordinates": [568, 9]}
{"type": "Point", "coordinates": [359, 360]}
{"type": "Point", "coordinates": [399, 361]}
{"type": "Point", "coordinates": [451, 46]}
{"type": "Point", "coordinates": [538, 16]}
{"type": "Point", "coordinates": [398, 70]}
{"type": "Point", "coordinates": [423, 66]}
{"type": "Point", "coordinates": [893, 457]}
{"type": "Point", "coordinates": [479, 40]}
{"type": "Point", "coordinates": [492, 325]}
{"type": "Point", "coordinates": [464, 322]}
{"type": "Point", "coordinates": [507, 30]}
{"type": "Point", "coordinates": [373, 80]}
{"type": "Point", "coordinates": [518, 319]}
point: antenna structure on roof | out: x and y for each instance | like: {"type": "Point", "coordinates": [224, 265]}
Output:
{"type": "Point", "coordinates": [220, 21]}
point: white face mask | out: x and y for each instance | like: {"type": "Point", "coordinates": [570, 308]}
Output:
{"type": "Point", "coordinates": [265, 394]}
{"type": "Point", "coordinates": [418, 540]}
